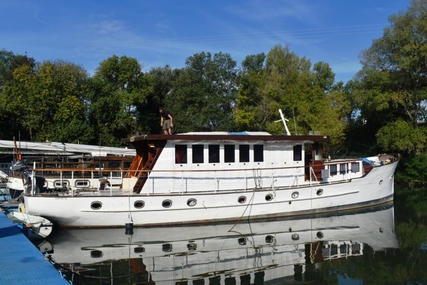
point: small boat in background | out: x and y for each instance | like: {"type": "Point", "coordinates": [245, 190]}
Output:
{"type": "Point", "coordinates": [4, 193]}
{"type": "Point", "coordinates": [54, 166]}
{"type": "Point", "coordinates": [34, 227]}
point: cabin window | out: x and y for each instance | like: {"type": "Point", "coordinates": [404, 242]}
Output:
{"type": "Point", "coordinates": [99, 166]}
{"type": "Point", "coordinates": [197, 153]}
{"type": "Point", "coordinates": [82, 183]}
{"type": "Point", "coordinates": [334, 249]}
{"type": "Point", "coordinates": [258, 153]}
{"type": "Point", "coordinates": [61, 183]}
{"type": "Point", "coordinates": [297, 152]}
{"type": "Point", "coordinates": [355, 167]}
{"type": "Point", "coordinates": [229, 153]}
{"type": "Point", "coordinates": [333, 169]}
{"type": "Point", "coordinates": [114, 164]}
{"type": "Point", "coordinates": [127, 164]}
{"type": "Point", "coordinates": [244, 153]}
{"type": "Point", "coordinates": [213, 153]}
{"type": "Point", "coordinates": [343, 168]}
{"type": "Point", "coordinates": [180, 153]}
{"type": "Point", "coordinates": [355, 248]}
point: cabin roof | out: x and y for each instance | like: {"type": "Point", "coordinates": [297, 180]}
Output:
{"type": "Point", "coordinates": [59, 148]}
{"type": "Point", "coordinates": [226, 136]}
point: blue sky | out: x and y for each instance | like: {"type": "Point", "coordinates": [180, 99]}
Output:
{"type": "Point", "coordinates": [162, 32]}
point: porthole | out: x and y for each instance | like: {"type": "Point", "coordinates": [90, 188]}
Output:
{"type": "Point", "coordinates": [269, 197]}
{"type": "Point", "coordinates": [319, 192]}
{"type": "Point", "coordinates": [242, 241]}
{"type": "Point", "coordinates": [295, 236]}
{"type": "Point", "coordinates": [139, 204]}
{"type": "Point", "coordinates": [319, 235]}
{"type": "Point", "coordinates": [191, 202]}
{"type": "Point", "coordinates": [96, 205]}
{"type": "Point", "coordinates": [191, 245]}
{"type": "Point", "coordinates": [96, 254]}
{"type": "Point", "coordinates": [167, 203]}
{"type": "Point", "coordinates": [242, 199]}
{"type": "Point", "coordinates": [269, 239]}
{"type": "Point", "coordinates": [139, 249]}
{"type": "Point", "coordinates": [167, 247]}
{"type": "Point", "coordinates": [381, 182]}
{"type": "Point", "coordinates": [295, 195]}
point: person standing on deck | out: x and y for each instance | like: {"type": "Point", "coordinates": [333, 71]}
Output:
{"type": "Point", "coordinates": [166, 121]}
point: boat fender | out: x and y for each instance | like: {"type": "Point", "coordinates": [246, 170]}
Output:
{"type": "Point", "coordinates": [129, 226]}
{"type": "Point", "coordinates": [129, 229]}
{"type": "Point", "coordinates": [21, 208]}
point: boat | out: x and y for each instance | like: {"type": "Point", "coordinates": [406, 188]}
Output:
{"type": "Point", "coordinates": [63, 166]}
{"type": "Point", "coordinates": [4, 192]}
{"type": "Point", "coordinates": [271, 250]}
{"type": "Point", "coordinates": [34, 227]}
{"type": "Point", "coordinates": [210, 177]}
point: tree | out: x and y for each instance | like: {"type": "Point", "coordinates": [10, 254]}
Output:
{"type": "Point", "coordinates": [307, 96]}
{"type": "Point", "coordinates": [250, 110]}
{"type": "Point", "coordinates": [163, 79]}
{"type": "Point", "coordinates": [401, 136]}
{"type": "Point", "coordinates": [393, 82]}
{"type": "Point", "coordinates": [119, 91]}
{"type": "Point", "coordinates": [12, 104]}
{"type": "Point", "coordinates": [204, 94]}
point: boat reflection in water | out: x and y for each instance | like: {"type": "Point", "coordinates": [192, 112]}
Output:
{"type": "Point", "coordinates": [243, 253]}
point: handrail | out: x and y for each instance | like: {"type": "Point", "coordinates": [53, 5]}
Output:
{"type": "Point", "coordinates": [163, 170]}
{"type": "Point", "coordinates": [174, 170]}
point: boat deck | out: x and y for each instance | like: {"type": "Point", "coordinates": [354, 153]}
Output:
{"type": "Point", "coordinates": [21, 262]}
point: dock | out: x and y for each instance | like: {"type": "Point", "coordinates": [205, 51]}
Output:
{"type": "Point", "coordinates": [21, 262]}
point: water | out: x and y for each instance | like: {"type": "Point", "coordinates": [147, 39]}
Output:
{"type": "Point", "coordinates": [384, 245]}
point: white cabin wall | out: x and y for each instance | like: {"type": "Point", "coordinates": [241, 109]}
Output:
{"type": "Point", "coordinates": [276, 169]}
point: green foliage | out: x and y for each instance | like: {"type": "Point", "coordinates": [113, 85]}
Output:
{"type": "Point", "coordinates": [14, 72]}
{"type": "Point", "coordinates": [413, 169]}
{"type": "Point", "coordinates": [402, 137]}
{"type": "Point", "coordinates": [119, 91]}
{"type": "Point", "coordinates": [250, 108]}
{"type": "Point", "coordinates": [162, 80]}
{"type": "Point", "coordinates": [392, 83]}
{"type": "Point", "coordinates": [204, 94]}
{"type": "Point", "coordinates": [75, 131]}
{"type": "Point", "coordinates": [307, 96]}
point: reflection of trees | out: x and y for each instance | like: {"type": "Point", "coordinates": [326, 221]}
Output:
{"type": "Point", "coordinates": [125, 271]}
{"type": "Point", "coordinates": [405, 265]}
{"type": "Point", "coordinates": [394, 266]}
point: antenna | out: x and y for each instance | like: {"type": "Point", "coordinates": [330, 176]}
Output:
{"type": "Point", "coordinates": [284, 122]}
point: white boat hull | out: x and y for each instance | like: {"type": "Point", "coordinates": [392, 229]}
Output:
{"type": "Point", "coordinates": [34, 227]}
{"type": "Point", "coordinates": [210, 207]}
